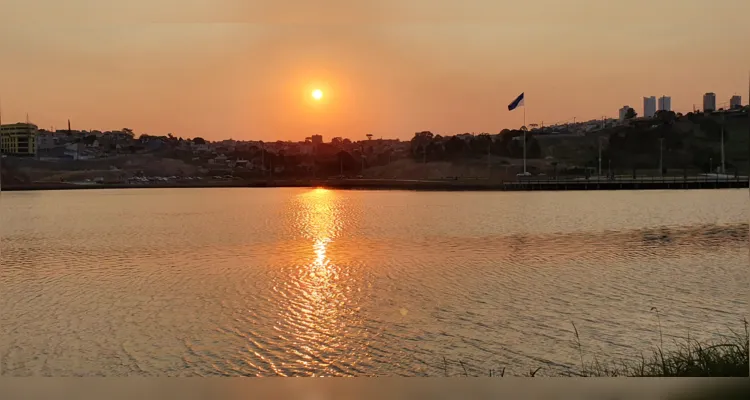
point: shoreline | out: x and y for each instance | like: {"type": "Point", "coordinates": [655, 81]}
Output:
{"type": "Point", "coordinates": [418, 185]}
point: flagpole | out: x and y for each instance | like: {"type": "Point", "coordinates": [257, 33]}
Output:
{"type": "Point", "coordinates": [1, 138]}
{"type": "Point", "coordinates": [524, 135]}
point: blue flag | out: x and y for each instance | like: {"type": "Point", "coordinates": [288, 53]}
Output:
{"type": "Point", "coordinates": [516, 103]}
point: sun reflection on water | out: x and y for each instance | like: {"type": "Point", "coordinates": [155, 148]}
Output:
{"type": "Point", "coordinates": [313, 318]}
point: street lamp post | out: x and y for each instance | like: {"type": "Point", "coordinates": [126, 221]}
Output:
{"type": "Point", "coordinates": [599, 174]}
{"type": "Point", "coordinates": [661, 157]}
{"type": "Point", "coordinates": [723, 164]}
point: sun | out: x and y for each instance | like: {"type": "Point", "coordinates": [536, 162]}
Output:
{"type": "Point", "coordinates": [317, 94]}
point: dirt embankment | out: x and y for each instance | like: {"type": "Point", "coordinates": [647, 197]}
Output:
{"type": "Point", "coordinates": [9, 175]}
{"type": "Point", "coordinates": [111, 169]}
{"type": "Point", "coordinates": [410, 169]}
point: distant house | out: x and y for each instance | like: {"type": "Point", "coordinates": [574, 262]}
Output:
{"type": "Point", "coordinates": [75, 151]}
{"type": "Point", "coordinates": [308, 165]}
{"type": "Point", "coordinates": [306, 148]}
{"type": "Point", "coordinates": [199, 148]}
{"type": "Point", "coordinates": [90, 142]}
{"type": "Point", "coordinates": [154, 145]}
{"type": "Point", "coordinates": [45, 140]}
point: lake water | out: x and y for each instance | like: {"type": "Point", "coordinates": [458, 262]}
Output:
{"type": "Point", "coordinates": [299, 282]}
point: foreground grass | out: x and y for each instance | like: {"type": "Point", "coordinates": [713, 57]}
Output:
{"type": "Point", "coordinates": [727, 357]}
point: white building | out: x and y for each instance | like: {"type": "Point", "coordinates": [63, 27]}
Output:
{"type": "Point", "coordinates": [709, 102]}
{"type": "Point", "coordinates": [624, 112]}
{"type": "Point", "coordinates": [45, 141]}
{"type": "Point", "coordinates": [199, 148]}
{"type": "Point", "coordinates": [735, 102]}
{"type": "Point", "coordinates": [665, 103]}
{"type": "Point", "coordinates": [649, 106]}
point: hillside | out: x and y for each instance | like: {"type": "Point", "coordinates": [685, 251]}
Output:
{"type": "Point", "coordinates": [691, 143]}
{"type": "Point", "coordinates": [501, 168]}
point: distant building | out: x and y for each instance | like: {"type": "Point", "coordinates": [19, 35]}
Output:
{"type": "Point", "coordinates": [316, 139]}
{"type": "Point", "coordinates": [74, 151]}
{"type": "Point", "coordinates": [306, 148]}
{"type": "Point", "coordinates": [624, 112]}
{"type": "Point", "coordinates": [665, 103]}
{"type": "Point", "coordinates": [649, 106]}
{"type": "Point", "coordinates": [709, 102]}
{"type": "Point", "coordinates": [18, 139]}
{"type": "Point", "coordinates": [199, 148]}
{"type": "Point", "coordinates": [735, 102]}
{"type": "Point", "coordinates": [45, 141]}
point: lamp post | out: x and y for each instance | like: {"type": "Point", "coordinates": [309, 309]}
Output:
{"type": "Point", "coordinates": [723, 164]}
{"type": "Point", "coordinates": [599, 174]}
{"type": "Point", "coordinates": [661, 157]}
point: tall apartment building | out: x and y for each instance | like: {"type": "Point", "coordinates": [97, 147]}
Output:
{"type": "Point", "coordinates": [709, 102]}
{"type": "Point", "coordinates": [665, 103]}
{"type": "Point", "coordinates": [649, 106]}
{"type": "Point", "coordinates": [735, 102]}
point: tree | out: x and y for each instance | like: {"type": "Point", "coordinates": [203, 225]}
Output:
{"type": "Point", "coordinates": [454, 147]}
{"type": "Point", "coordinates": [535, 150]}
{"type": "Point", "coordinates": [481, 143]}
{"type": "Point", "coordinates": [667, 117]}
{"type": "Point", "coordinates": [420, 141]}
{"type": "Point", "coordinates": [199, 140]}
{"type": "Point", "coordinates": [630, 114]}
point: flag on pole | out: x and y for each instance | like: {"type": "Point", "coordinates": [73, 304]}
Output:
{"type": "Point", "coordinates": [516, 103]}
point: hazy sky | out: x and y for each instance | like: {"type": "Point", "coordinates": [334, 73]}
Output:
{"type": "Point", "coordinates": [245, 69]}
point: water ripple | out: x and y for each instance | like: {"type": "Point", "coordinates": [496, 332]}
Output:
{"type": "Point", "coordinates": [295, 282]}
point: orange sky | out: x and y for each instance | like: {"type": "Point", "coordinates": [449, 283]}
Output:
{"type": "Point", "coordinates": [245, 69]}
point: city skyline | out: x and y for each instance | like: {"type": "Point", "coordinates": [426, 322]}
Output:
{"type": "Point", "coordinates": [225, 70]}
{"type": "Point", "coordinates": [651, 105]}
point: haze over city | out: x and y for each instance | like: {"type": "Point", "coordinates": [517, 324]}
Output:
{"type": "Point", "coordinates": [246, 70]}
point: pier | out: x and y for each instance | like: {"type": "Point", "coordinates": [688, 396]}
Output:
{"type": "Point", "coordinates": [465, 184]}
{"type": "Point", "coordinates": [548, 184]}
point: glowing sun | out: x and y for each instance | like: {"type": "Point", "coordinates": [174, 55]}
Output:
{"type": "Point", "coordinates": [317, 94]}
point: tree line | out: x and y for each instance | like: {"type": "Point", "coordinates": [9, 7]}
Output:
{"type": "Point", "coordinates": [426, 146]}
